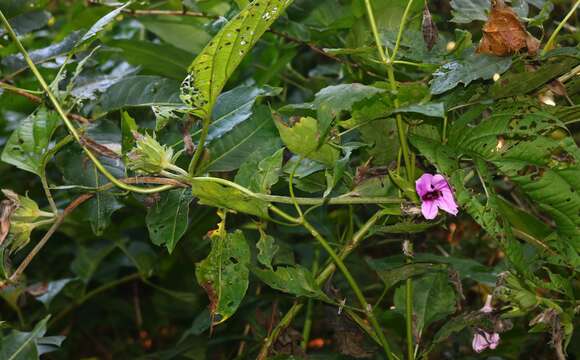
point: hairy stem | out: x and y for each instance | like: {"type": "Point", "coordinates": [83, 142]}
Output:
{"type": "Point", "coordinates": [401, 29]}
{"type": "Point", "coordinates": [200, 145]}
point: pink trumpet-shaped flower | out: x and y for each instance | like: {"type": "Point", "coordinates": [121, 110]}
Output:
{"type": "Point", "coordinates": [483, 340]}
{"type": "Point", "coordinates": [435, 194]}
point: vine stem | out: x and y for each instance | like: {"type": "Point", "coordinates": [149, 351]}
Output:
{"type": "Point", "coordinates": [346, 273]}
{"type": "Point", "coordinates": [68, 123]}
{"type": "Point", "coordinates": [341, 200]}
{"type": "Point", "coordinates": [550, 43]}
{"type": "Point", "coordinates": [409, 164]}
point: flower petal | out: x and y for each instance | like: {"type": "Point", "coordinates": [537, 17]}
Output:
{"type": "Point", "coordinates": [429, 209]}
{"type": "Point", "coordinates": [439, 182]}
{"type": "Point", "coordinates": [423, 184]}
{"type": "Point", "coordinates": [492, 340]}
{"type": "Point", "coordinates": [479, 342]}
{"type": "Point", "coordinates": [446, 202]}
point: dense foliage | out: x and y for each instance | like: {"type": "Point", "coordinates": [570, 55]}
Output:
{"type": "Point", "coordinates": [224, 179]}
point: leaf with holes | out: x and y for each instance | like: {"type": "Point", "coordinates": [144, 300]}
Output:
{"type": "Point", "coordinates": [295, 280]}
{"type": "Point", "coordinates": [212, 68]}
{"type": "Point", "coordinates": [224, 274]}
{"type": "Point", "coordinates": [167, 220]}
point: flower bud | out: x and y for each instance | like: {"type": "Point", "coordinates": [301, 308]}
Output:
{"type": "Point", "coordinates": [26, 209]}
{"type": "Point", "coordinates": [149, 156]}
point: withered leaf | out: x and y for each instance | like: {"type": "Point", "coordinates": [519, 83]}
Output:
{"type": "Point", "coordinates": [429, 29]}
{"type": "Point", "coordinates": [504, 34]}
{"type": "Point", "coordinates": [7, 207]}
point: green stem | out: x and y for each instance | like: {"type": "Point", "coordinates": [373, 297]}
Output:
{"type": "Point", "coordinates": [68, 123]}
{"type": "Point", "coordinates": [320, 279]}
{"type": "Point", "coordinates": [409, 317]}
{"type": "Point", "coordinates": [341, 200]}
{"type": "Point", "coordinates": [48, 155]}
{"type": "Point", "coordinates": [387, 60]}
{"type": "Point", "coordinates": [401, 28]}
{"type": "Point", "coordinates": [444, 135]}
{"type": "Point", "coordinates": [550, 43]}
{"type": "Point", "coordinates": [309, 307]}
{"type": "Point", "coordinates": [346, 273]}
{"type": "Point", "coordinates": [200, 145]}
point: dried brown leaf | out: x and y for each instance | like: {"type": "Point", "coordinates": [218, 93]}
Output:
{"type": "Point", "coordinates": [504, 34]}
{"type": "Point", "coordinates": [429, 29]}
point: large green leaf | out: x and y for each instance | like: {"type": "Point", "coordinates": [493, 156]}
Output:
{"type": "Point", "coordinates": [167, 220]}
{"type": "Point", "coordinates": [433, 299]}
{"type": "Point", "coordinates": [302, 139]}
{"type": "Point", "coordinates": [161, 59]}
{"type": "Point", "coordinates": [16, 63]}
{"type": "Point", "coordinates": [256, 134]}
{"type": "Point", "coordinates": [224, 273]}
{"type": "Point", "coordinates": [472, 67]}
{"type": "Point", "coordinates": [88, 260]}
{"type": "Point", "coordinates": [220, 196]}
{"type": "Point", "coordinates": [139, 91]}
{"type": "Point", "coordinates": [212, 68]}
{"type": "Point", "coordinates": [294, 280]}
{"type": "Point", "coordinates": [30, 141]}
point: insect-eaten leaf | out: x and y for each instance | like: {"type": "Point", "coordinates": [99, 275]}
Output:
{"type": "Point", "coordinates": [294, 280]}
{"type": "Point", "coordinates": [224, 274]}
{"type": "Point", "coordinates": [504, 34]}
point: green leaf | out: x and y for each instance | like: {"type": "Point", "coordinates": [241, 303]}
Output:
{"type": "Point", "coordinates": [100, 25]}
{"type": "Point", "coordinates": [167, 220]}
{"type": "Point", "coordinates": [428, 109]}
{"type": "Point", "coordinates": [220, 196]}
{"type": "Point", "coordinates": [128, 126]}
{"type": "Point", "coordinates": [302, 139]}
{"type": "Point", "coordinates": [466, 11]}
{"type": "Point", "coordinates": [212, 68]}
{"type": "Point", "coordinates": [392, 271]}
{"type": "Point", "coordinates": [256, 136]}
{"type": "Point", "coordinates": [16, 63]}
{"type": "Point", "coordinates": [473, 67]}
{"type": "Point", "coordinates": [261, 176]}
{"type": "Point", "coordinates": [183, 32]}
{"type": "Point", "coordinates": [30, 141]}
{"type": "Point", "coordinates": [433, 300]}
{"type": "Point", "coordinates": [514, 84]}
{"type": "Point", "coordinates": [295, 280]}
{"type": "Point", "coordinates": [23, 345]}
{"type": "Point", "coordinates": [140, 91]}
{"type": "Point", "coordinates": [161, 59]}
{"type": "Point", "coordinates": [224, 274]}
{"type": "Point", "coordinates": [267, 250]}
{"type": "Point", "coordinates": [27, 22]}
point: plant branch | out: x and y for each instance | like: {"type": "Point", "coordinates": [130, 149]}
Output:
{"type": "Point", "coordinates": [68, 123]}
{"type": "Point", "coordinates": [401, 29]}
{"type": "Point", "coordinates": [200, 145]}
{"type": "Point", "coordinates": [550, 43]}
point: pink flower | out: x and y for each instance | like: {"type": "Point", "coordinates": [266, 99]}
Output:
{"type": "Point", "coordinates": [483, 340]}
{"type": "Point", "coordinates": [435, 194]}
